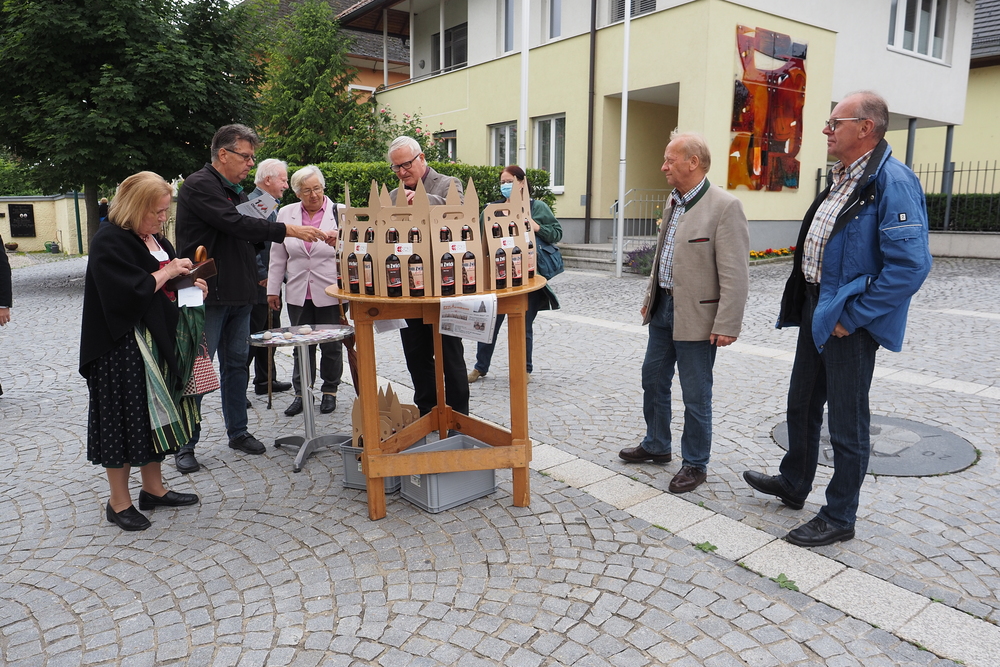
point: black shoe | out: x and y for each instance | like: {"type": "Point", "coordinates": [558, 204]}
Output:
{"type": "Point", "coordinates": [128, 519]}
{"type": "Point", "coordinates": [249, 404]}
{"type": "Point", "coordinates": [276, 386]}
{"type": "Point", "coordinates": [148, 501]}
{"type": "Point", "coordinates": [295, 407]}
{"type": "Point", "coordinates": [247, 443]}
{"type": "Point", "coordinates": [818, 533]}
{"type": "Point", "coordinates": [186, 462]}
{"type": "Point", "coordinates": [638, 455]}
{"type": "Point", "coordinates": [329, 404]}
{"type": "Point", "coordinates": [772, 486]}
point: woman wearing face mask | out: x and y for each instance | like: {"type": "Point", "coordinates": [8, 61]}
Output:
{"type": "Point", "coordinates": [547, 232]}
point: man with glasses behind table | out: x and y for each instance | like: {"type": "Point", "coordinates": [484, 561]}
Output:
{"type": "Point", "coordinates": [207, 216]}
{"type": "Point", "coordinates": [409, 163]}
{"type": "Point", "coordinates": [861, 254]}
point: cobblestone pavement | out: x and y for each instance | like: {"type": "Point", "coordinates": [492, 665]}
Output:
{"type": "Point", "coordinates": [279, 568]}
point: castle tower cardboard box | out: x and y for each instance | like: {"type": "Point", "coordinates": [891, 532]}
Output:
{"type": "Point", "coordinates": [358, 249]}
{"type": "Point", "coordinates": [510, 242]}
{"type": "Point", "coordinates": [457, 249]}
{"type": "Point", "coordinates": [404, 233]}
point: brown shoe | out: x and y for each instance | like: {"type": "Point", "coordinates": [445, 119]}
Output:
{"type": "Point", "coordinates": [687, 479]}
{"type": "Point", "coordinates": [475, 375]}
{"type": "Point", "coordinates": [638, 455]}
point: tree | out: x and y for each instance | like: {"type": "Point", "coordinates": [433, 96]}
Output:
{"type": "Point", "coordinates": [307, 105]}
{"type": "Point", "coordinates": [96, 90]}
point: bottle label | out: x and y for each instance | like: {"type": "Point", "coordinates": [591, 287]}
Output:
{"type": "Point", "coordinates": [369, 275]}
{"type": "Point", "coordinates": [515, 266]}
{"type": "Point", "coordinates": [447, 274]}
{"type": "Point", "coordinates": [416, 272]}
{"type": "Point", "coordinates": [469, 271]}
{"type": "Point", "coordinates": [394, 277]}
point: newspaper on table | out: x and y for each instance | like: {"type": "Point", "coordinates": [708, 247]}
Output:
{"type": "Point", "coordinates": [471, 317]}
{"type": "Point", "coordinates": [261, 207]}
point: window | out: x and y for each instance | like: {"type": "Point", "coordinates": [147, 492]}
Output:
{"type": "Point", "coordinates": [550, 148]}
{"type": "Point", "coordinates": [508, 25]}
{"type": "Point", "coordinates": [447, 145]}
{"type": "Point", "coordinates": [919, 26]}
{"type": "Point", "coordinates": [503, 139]}
{"type": "Point", "coordinates": [638, 7]}
{"type": "Point", "coordinates": [555, 18]}
{"type": "Point", "coordinates": [456, 48]}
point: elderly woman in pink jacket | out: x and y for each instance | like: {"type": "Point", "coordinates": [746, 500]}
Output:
{"type": "Point", "coordinates": [308, 269]}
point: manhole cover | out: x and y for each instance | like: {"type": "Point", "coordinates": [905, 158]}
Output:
{"type": "Point", "coordinates": [901, 448]}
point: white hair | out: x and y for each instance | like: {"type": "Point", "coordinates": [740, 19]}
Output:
{"type": "Point", "coordinates": [269, 167]}
{"type": "Point", "coordinates": [403, 142]}
{"type": "Point", "coordinates": [304, 173]}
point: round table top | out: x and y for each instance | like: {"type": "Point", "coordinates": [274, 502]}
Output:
{"type": "Point", "coordinates": [315, 333]}
{"type": "Point", "coordinates": [536, 283]}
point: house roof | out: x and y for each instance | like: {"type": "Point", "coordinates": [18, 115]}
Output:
{"type": "Point", "coordinates": [986, 30]}
{"type": "Point", "coordinates": [367, 41]}
{"type": "Point", "coordinates": [366, 16]}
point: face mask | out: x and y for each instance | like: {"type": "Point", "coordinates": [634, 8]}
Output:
{"type": "Point", "coordinates": [506, 189]}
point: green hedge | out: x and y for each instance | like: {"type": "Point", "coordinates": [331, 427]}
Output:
{"type": "Point", "coordinates": [969, 213]}
{"type": "Point", "coordinates": [359, 176]}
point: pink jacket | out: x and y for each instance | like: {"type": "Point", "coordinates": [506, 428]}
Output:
{"type": "Point", "coordinates": [315, 268]}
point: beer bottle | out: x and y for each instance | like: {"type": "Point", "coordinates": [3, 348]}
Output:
{"type": "Point", "coordinates": [369, 235]}
{"type": "Point", "coordinates": [415, 271]}
{"type": "Point", "coordinates": [393, 276]}
{"type": "Point", "coordinates": [447, 273]}
{"type": "Point", "coordinates": [414, 235]}
{"type": "Point", "coordinates": [368, 266]}
{"type": "Point", "coordinates": [501, 269]}
{"type": "Point", "coordinates": [353, 236]}
{"type": "Point", "coordinates": [466, 233]}
{"type": "Point", "coordinates": [531, 259]}
{"type": "Point", "coordinates": [353, 282]}
{"type": "Point", "coordinates": [512, 229]}
{"type": "Point", "coordinates": [515, 267]}
{"type": "Point", "coordinates": [497, 230]}
{"type": "Point", "coordinates": [468, 273]}
{"type": "Point", "coordinates": [391, 236]}
{"type": "Point", "coordinates": [445, 234]}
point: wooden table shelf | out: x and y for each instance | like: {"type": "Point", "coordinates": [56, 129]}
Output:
{"type": "Point", "coordinates": [510, 448]}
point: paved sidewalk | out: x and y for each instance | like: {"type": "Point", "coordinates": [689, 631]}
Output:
{"type": "Point", "coordinates": [278, 568]}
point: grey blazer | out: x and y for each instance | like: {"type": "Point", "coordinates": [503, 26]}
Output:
{"type": "Point", "coordinates": [437, 187]}
{"type": "Point", "coordinates": [711, 267]}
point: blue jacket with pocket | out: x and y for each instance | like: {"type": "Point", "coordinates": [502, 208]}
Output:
{"type": "Point", "coordinates": [875, 260]}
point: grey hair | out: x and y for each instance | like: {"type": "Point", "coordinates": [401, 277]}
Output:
{"type": "Point", "coordinates": [694, 144]}
{"type": "Point", "coordinates": [269, 167]}
{"type": "Point", "coordinates": [403, 142]}
{"type": "Point", "coordinates": [873, 107]}
{"type": "Point", "coordinates": [227, 136]}
{"type": "Point", "coordinates": [304, 173]}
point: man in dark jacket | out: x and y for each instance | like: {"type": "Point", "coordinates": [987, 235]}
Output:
{"type": "Point", "coordinates": [862, 253]}
{"type": "Point", "coordinates": [6, 299]}
{"type": "Point", "coordinates": [207, 216]}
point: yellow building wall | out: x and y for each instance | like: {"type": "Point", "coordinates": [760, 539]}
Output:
{"type": "Point", "coordinates": [977, 139]}
{"type": "Point", "coordinates": [693, 45]}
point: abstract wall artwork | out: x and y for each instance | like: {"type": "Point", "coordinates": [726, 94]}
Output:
{"type": "Point", "coordinates": [767, 110]}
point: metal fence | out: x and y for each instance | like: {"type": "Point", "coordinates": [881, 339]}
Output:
{"type": "Point", "coordinates": [642, 213]}
{"type": "Point", "coordinates": [962, 196]}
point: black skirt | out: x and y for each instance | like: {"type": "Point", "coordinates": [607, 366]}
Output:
{"type": "Point", "coordinates": [118, 430]}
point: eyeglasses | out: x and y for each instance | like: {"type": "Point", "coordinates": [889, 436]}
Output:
{"type": "Point", "coordinates": [832, 123]}
{"type": "Point", "coordinates": [312, 191]}
{"type": "Point", "coordinates": [246, 158]}
{"type": "Point", "coordinates": [405, 165]}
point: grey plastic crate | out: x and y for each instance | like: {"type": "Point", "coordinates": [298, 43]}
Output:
{"type": "Point", "coordinates": [353, 477]}
{"type": "Point", "coordinates": [441, 491]}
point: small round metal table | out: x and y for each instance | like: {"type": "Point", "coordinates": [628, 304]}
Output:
{"type": "Point", "coordinates": [319, 333]}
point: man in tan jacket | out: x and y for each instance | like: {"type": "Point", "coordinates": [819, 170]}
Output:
{"type": "Point", "coordinates": [694, 304]}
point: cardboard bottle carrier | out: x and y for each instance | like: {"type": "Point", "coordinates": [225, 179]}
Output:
{"type": "Point", "coordinates": [424, 249]}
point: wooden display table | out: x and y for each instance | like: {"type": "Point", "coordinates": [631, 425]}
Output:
{"type": "Point", "coordinates": [510, 449]}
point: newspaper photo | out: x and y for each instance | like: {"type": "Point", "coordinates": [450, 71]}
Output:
{"type": "Point", "coordinates": [471, 317]}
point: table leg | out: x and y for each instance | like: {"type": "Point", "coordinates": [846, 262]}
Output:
{"type": "Point", "coordinates": [439, 383]}
{"type": "Point", "coordinates": [364, 339]}
{"type": "Point", "coordinates": [518, 361]}
{"type": "Point", "coordinates": [308, 412]}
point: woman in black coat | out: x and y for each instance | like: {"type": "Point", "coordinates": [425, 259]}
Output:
{"type": "Point", "coordinates": [129, 333]}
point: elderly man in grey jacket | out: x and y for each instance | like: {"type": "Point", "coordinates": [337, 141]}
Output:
{"type": "Point", "coordinates": [408, 162]}
{"type": "Point", "coordinates": [694, 305]}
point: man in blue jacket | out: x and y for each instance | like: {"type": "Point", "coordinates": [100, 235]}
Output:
{"type": "Point", "coordinates": [861, 254]}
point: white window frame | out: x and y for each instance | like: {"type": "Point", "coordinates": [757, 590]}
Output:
{"type": "Point", "coordinates": [617, 8]}
{"type": "Point", "coordinates": [450, 139]}
{"type": "Point", "coordinates": [929, 31]}
{"type": "Point", "coordinates": [507, 131]}
{"type": "Point", "coordinates": [507, 21]}
{"type": "Point", "coordinates": [555, 161]}
{"type": "Point", "coordinates": [555, 19]}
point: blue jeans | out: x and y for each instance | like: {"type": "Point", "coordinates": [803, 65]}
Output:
{"type": "Point", "coordinates": [227, 329]}
{"type": "Point", "coordinates": [840, 377]}
{"type": "Point", "coordinates": [484, 351]}
{"type": "Point", "coordinates": [694, 361]}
